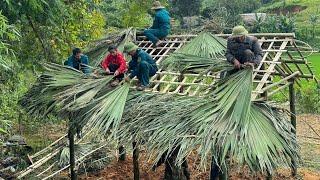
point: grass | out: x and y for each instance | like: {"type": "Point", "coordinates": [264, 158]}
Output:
{"type": "Point", "coordinates": [315, 62]}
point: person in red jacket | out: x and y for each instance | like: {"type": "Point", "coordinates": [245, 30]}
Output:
{"type": "Point", "coordinates": [115, 64]}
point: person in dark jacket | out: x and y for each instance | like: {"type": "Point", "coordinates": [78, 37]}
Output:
{"type": "Point", "coordinates": [161, 25]}
{"type": "Point", "coordinates": [243, 49]}
{"type": "Point", "coordinates": [115, 64]}
{"type": "Point", "coordinates": [141, 66]}
{"type": "Point", "coordinates": [78, 61]}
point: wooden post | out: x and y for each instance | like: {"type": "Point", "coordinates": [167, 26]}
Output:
{"type": "Point", "coordinates": [72, 156]}
{"type": "Point", "coordinates": [122, 153]}
{"type": "Point", "coordinates": [293, 119]}
{"type": "Point", "coordinates": [136, 172]}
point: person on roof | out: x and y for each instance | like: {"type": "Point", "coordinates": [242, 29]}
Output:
{"type": "Point", "coordinates": [161, 24]}
{"type": "Point", "coordinates": [78, 61]}
{"type": "Point", "coordinates": [243, 49]}
{"type": "Point", "coordinates": [114, 64]}
{"type": "Point", "coordinates": [141, 66]}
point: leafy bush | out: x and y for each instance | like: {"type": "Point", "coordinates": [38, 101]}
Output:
{"type": "Point", "coordinates": [274, 24]}
{"type": "Point", "coordinates": [308, 98]}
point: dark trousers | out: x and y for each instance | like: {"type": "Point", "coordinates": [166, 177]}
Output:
{"type": "Point", "coordinates": [145, 71]}
{"type": "Point", "coordinates": [155, 34]}
{"type": "Point", "coordinates": [113, 68]}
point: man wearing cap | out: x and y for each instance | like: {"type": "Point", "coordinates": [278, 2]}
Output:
{"type": "Point", "coordinates": [78, 61]}
{"type": "Point", "coordinates": [141, 66]}
{"type": "Point", "coordinates": [161, 24]}
{"type": "Point", "coordinates": [115, 64]}
{"type": "Point", "coordinates": [243, 49]}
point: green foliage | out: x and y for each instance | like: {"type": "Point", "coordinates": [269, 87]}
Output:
{"type": "Point", "coordinates": [183, 8]}
{"type": "Point", "coordinates": [308, 98]}
{"type": "Point", "coordinates": [225, 13]}
{"type": "Point", "coordinates": [8, 33]}
{"type": "Point", "coordinates": [274, 24]}
{"type": "Point", "coordinates": [306, 28]}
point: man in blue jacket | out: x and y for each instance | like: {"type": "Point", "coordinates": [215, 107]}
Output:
{"type": "Point", "coordinates": [78, 61]}
{"type": "Point", "coordinates": [161, 24]}
{"type": "Point", "coordinates": [141, 65]}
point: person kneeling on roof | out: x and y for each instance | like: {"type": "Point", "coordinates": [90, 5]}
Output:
{"type": "Point", "coordinates": [243, 49]}
{"type": "Point", "coordinates": [141, 65]}
{"type": "Point", "coordinates": [161, 24]}
{"type": "Point", "coordinates": [114, 64]}
{"type": "Point", "coordinates": [78, 61]}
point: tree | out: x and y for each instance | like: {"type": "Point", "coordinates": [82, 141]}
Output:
{"type": "Point", "coordinates": [184, 8]}
{"type": "Point", "coordinates": [314, 19]}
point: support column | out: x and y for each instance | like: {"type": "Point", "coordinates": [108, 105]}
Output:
{"type": "Point", "coordinates": [136, 172]}
{"type": "Point", "coordinates": [71, 150]}
{"type": "Point", "coordinates": [293, 119]}
{"type": "Point", "coordinates": [122, 153]}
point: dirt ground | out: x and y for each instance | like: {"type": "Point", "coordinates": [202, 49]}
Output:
{"type": "Point", "coordinates": [308, 136]}
{"type": "Point", "coordinates": [123, 171]}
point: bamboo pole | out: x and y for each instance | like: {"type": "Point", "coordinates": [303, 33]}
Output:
{"type": "Point", "coordinates": [78, 160]}
{"type": "Point", "coordinates": [48, 147]}
{"type": "Point", "coordinates": [293, 119]}
{"type": "Point", "coordinates": [38, 163]}
{"type": "Point", "coordinates": [47, 169]}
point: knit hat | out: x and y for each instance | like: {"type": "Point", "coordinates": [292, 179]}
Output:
{"type": "Point", "coordinates": [130, 46]}
{"type": "Point", "coordinates": [157, 5]}
{"type": "Point", "coordinates": [239, 31]}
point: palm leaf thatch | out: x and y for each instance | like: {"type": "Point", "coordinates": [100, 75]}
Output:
{"type": "Point", "coordinates": [224, 123]}
{"type": "Point", "coordinates": [193, 63]}
{"type": "Point", "coordinates": [205, 45]}
{"type": "Point", "coordinates": [78, 97]}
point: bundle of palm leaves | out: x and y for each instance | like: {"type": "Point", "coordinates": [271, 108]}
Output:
{"type": "Point", "coordinates": [73, 95]}
{"type": "Point", "coordinates": [193, 63]}
{"type": "Point", "coordinates": [225, 123]}
{"type": "Point", "coordinates": [205, 45]}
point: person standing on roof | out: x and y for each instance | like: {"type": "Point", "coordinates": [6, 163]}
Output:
{"type": "Point", "coordinates": [141, 66]}
{"type": "Point", "coordinates": [161, 24]}
{"type": "Point", "coordinates": [243, 49]}
{"type": "Point", "coordinates": [78, 61]}
{"type": "Point", "coordinates": [114, 64]}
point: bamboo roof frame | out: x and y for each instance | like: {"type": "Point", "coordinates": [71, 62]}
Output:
{"type": "Point", "coordinates": [278, 61]}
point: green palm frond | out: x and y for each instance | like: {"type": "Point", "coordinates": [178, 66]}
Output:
{"type": "Point", "coordinates": [106, 111]}
{"type": "Point", "coordinates": [193, 63]}
{"type": "Point", "coordinates": [85, 100]}
{"type": "Point", "coordinates": [205, 45]}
